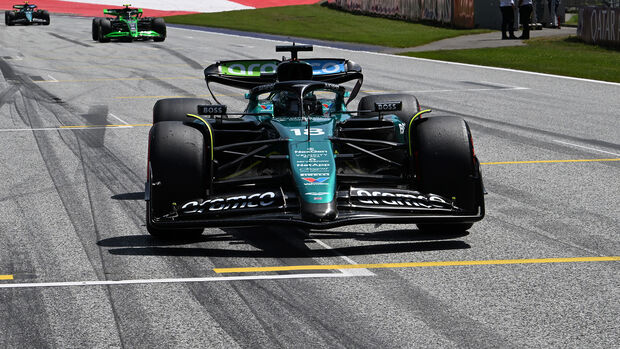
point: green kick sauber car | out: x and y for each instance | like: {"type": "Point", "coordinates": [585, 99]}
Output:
{"type": "Point", "coordinates": [128, 24]}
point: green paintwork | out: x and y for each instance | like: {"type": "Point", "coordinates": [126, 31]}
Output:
{"type": "Point", "coordinates": [135, 34]}
{"type": "Point", "coordinates": [311, 158]}
{"type": "Point", "coordinates": [130, 19]}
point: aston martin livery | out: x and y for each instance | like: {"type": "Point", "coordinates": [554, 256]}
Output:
{"type": "Point", "coordinates": [127, 24]}
{"type": "Point", "coordinates": [26, 14]}
{"type": "Point", "coordinates": [297, 155]}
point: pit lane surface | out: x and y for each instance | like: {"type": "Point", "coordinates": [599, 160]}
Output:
{"type": "Point", "coordinates": [77, 268]}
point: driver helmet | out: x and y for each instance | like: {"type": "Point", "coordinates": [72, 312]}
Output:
{"type": "Point", "coordinates": [312, 106]}
{"type": "Point", "coordinates": [285, 103]}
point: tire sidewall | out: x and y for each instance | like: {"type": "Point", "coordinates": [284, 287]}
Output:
{"type": "Point", "coordinates": [444, 161]}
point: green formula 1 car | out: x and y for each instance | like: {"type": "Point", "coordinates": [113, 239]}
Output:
{"type": "Point", "coordinates": [128, 24]}
{"type": "Point", "coordinates": [296, 155]}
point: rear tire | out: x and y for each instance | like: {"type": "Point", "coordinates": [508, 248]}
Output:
{"type": "Point", "coordinates": [177, 164]}
{"type": "Point", "coordinates": [105, 28]}
{"type": "Point", "coordinates": [446, 166]}
{"type": "Point", "coordinates": [95, 28]}
{"type": "Point", "coordinates": [410, 105]}
{"type": "Point", "coordinates": [176, 109]}
{"type": "Point", "coordinates": [159, 25]}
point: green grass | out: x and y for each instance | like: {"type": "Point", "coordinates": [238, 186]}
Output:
{"type": "Point", "coordinates": [320, 22]}
{"type": "Point", "coordinates": [554, 55]}
{"type": "Point", "coordinates": [573, 21]}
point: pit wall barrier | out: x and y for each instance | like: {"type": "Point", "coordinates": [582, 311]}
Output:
{"type": "Point", "coordinates": [599, 25]}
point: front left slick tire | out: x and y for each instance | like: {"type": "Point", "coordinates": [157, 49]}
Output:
{"type": "Point", "coordinates": [177, 172]}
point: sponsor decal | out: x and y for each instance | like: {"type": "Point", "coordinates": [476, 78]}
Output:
{"type": "Point", "coordinates": [397, 199]}
{"type": "Point", "coordinates": [248, 68]}
{"type": "Point", "coordinates": [317, 193]}
{"type": "Point", "coordinates": [388, 106]}
{"type": "Point", "coordinates": [326, 66]}
{"type": "Point", "coordinates": [256, 68]}
{"type": "Point", "coordinates": [212, 109]}
{"type": "Point", "coordinates": [316, 180]}
{"type": "Point", "coordinates": [231, 203]}
{"type": "Point", "coordinates": [599, 25]}
{"type": "Point", "coordinates": [401, 128]}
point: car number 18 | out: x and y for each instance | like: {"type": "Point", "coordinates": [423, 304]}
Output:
{"type": "Point", "coordinates": [304, 131]}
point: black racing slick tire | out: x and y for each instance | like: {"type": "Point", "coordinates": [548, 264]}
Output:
{"type": "Point", "coordinates": [95, 28]}
{"type": "Point", "coordinates": [176, 109]}
{"type": "Point", "coordinates": [177, 172]}
{"type": "Point", "coordinates": [9, 17]}
{"type": "Point", "coordinates": [409, 108]}
{"type": "Point", "coordinates": [45, 16]}
{"type": "Point", "coordinates": [159, 26]}
{"type": "Point", "coordinates": [105, 28]}
{"type": "Point", "coordinates": [446, 165]}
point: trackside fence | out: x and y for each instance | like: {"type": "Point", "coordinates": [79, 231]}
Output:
{"type": "Point", "coordinates": [455, 13]}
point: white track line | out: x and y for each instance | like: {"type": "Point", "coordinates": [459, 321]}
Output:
{"type": "Point", "coordinates": [179, 280]}
{"type": "Point", "coordinates": [119, 119]}
{"type": "Point", "coordinates": [347, 272]}
{"type": "Point", "coordinates": [31, 129]}
{"type": "Point", "coordinates": [52, 79]}
{"type": "Point", "coordinates": [581, 146]}
{"type": "Point", "coordinates": [470, 90]}
{"type": "Point", "coordinates": [419, 59]}
{"type": "Point", "coordinates": [61, 128]}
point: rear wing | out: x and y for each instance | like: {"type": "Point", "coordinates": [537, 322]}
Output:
{"type": "Point", "coordinates": [119, 11]}
{"type": "Point", "coordinates": [247, 74]}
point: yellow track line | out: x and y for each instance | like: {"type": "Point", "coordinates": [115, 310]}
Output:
{"type": "Point", "coordinates": [545, 161]}
{"type": "Point", "coordinates": [6, 277]}
{"type": "Point", "coordinates": [416, 264]}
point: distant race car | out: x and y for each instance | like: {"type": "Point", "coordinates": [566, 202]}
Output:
{"type": "Point", "coordinates": [26, 14]}
{"type": "Point", "coordinates": [128, 24]}
{"type": "Point", "coordinates": [297, 156]}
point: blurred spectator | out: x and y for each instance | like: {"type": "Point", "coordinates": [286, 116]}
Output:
{"type": "Point", "coordinates": [553, 13]}
{"type": "Point", "coordinates": [507, 7]}
{"type": "Point", "coordinates": [525, 12]}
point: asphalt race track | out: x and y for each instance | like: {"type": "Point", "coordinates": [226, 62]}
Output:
{"type": "Point", "coordinates": [78, 269]}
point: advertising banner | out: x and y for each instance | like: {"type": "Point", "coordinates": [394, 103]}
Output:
{"type": "Point", "coordinates": [463, 13]}
{"type": "Point", "coordinates": [599, 25]}
{"type": "Point", "coordinates": [412, 10]}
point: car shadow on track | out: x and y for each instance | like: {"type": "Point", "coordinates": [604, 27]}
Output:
{"type": "Point", "coordinates": [266, 242]}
